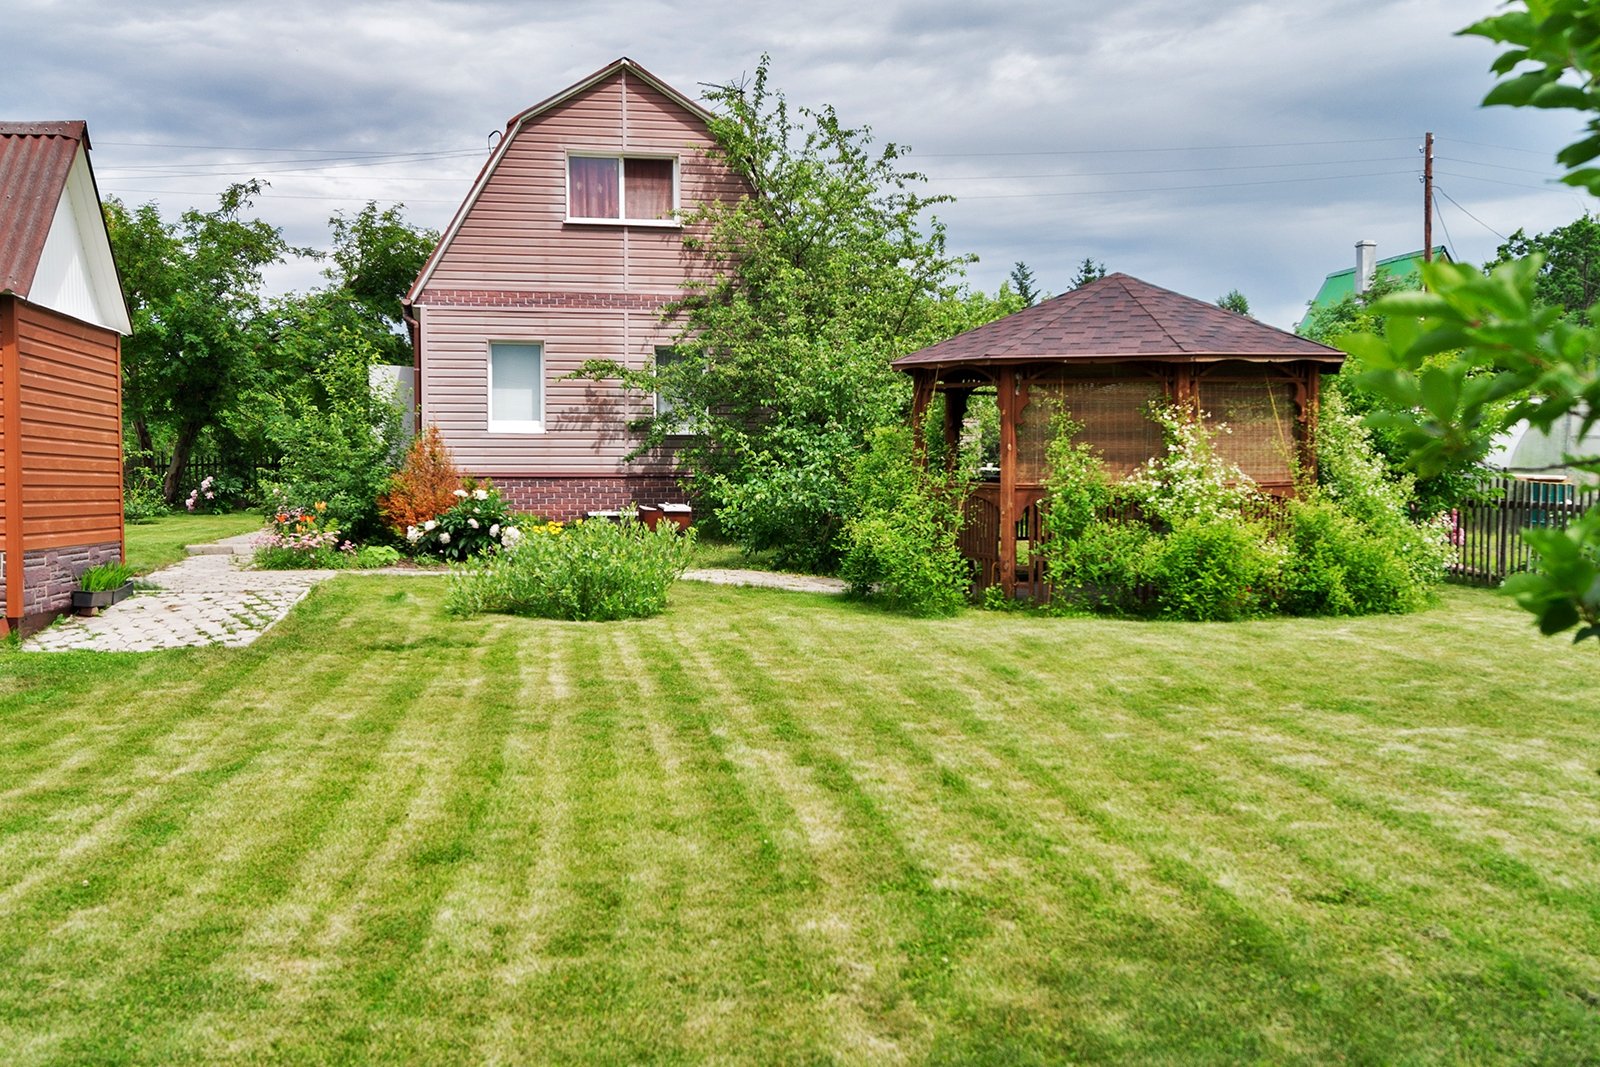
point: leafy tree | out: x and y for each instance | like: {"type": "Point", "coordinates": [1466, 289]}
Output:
{"type": "Point", "coordinates": [1233, 300]}
{"type": "Point", "coordinates": [1570, 278]}
{"type": "Point", "coordinates": [807, 287]}
{"type": "Point", "coordinates": [1022, 283]}
{"type": "Point", "coordinates": [193, 289]}
{"type": "Point", "coordinates": [376, 256]}
{"type": "Point", "coordinates": [1511, 345]}
{"type": "Point", "coordinates": [1088, 271]}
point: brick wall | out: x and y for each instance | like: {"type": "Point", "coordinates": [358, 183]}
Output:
{"type": "Point", "coordinates": [565, 499]}
{"type": "Point", "coordinates": [49, 575]}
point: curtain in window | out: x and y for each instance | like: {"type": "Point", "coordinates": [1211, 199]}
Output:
{"type": "Point", "coordinates": [517, 380]}
{"type": "Point", "coordinates": [649, 183]}
{"type": "Point", "coordinates": [1259, 417]}
{"type": "Point", "coordinates": [592, 188]}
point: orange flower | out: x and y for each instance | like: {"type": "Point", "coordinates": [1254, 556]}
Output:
{"type": "Point", "coordinates": [322, 505]}
{"type": "Point", "coordinates": [281, 517]}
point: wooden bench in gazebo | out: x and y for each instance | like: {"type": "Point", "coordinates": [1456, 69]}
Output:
{"type": "Point", "coordinates": [1102, 353]}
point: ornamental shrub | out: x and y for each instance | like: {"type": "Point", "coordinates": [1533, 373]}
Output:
{"type": "Point", "coordinates": [424, 486]}
{"type": "Point", "coordinates": [1214, 569]}
{"type": "Point", "coordinates": [477, 521]}
{"type": "Point", "coordinates": [899, 545]}
{"type": "Point", "coordinates": [142, 499]}
{"type": "Point", "coordinates": [587, 571]}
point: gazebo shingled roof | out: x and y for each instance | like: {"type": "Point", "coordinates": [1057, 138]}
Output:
{"type": "Point", "coordinates": [1120, 317]}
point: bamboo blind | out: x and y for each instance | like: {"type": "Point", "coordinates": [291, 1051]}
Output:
{"type": "Point", "coordinates": [1259, 417]}
{"type": "Point", "coordinates": [1114, 416]}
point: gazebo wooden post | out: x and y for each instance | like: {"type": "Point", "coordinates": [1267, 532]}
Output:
{"type": "Point", "coordinates": [955, 413]}
{"type": "Point", "coordinates": [1006, 390]}
{"type": "Point", "coordinates": [921, 397]}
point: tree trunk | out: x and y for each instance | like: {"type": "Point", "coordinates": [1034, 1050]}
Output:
{"type": "Point", "coordinates": [182, 445]}
{"type": "Point", "coordinates": [141, 430]}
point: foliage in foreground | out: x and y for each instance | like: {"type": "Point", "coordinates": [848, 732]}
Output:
{"type": "Point", "coordinates": [586, 571]}
{"type": "Point", "coordinates": [1509, 344]}
{"type": "Point", "coordinates": [1191, 538]}
{"type": "Point", "coordinates": [899, 545]}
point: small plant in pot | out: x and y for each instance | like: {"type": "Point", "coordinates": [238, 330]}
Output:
{"type": "Point", "coordinates": [101, 586]}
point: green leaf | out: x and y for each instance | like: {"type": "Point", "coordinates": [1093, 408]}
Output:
{"type": "Point", "coordinates": [1516, 92]}
{"type": "Point", "coordinates": [1439, 391]}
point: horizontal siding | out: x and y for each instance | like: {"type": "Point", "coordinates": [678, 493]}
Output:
{"type": "Point", "coordinates": [71, 439]}
{"type": "Point", "coordinates": [585, 422]}
{"type": "Point", "coordinates": [516, 237]}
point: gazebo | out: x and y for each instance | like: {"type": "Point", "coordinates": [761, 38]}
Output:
{"type": "Point", "coordinates": [1102, 353]}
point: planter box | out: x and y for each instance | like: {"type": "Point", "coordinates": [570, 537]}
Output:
{"type": "Point", "coordinates": [679, 514]}
{"type": "Point", "coordinates": [87, 603]}
{"type": "Point", "coordinates": [649, 514]}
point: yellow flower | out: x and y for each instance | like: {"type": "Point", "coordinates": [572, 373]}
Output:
{"type": "Point", "coordinates": [322, 505]}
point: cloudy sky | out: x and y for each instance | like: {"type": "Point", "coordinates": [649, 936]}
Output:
{"type": "Point", "coordinates": [1202, 146]}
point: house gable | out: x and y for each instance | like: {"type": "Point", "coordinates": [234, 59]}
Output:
{"type": "Point", "coordinates": [54, 248]}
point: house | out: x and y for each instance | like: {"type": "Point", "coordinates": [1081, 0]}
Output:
{"type": "Point", "coordinates": [1358, 278]}
{"type": "Point", "coordinates": [62, 320]}
{"type": "Point", "coordinates": [1102, 353]}
{"type": "Point", "coordinates": [565, 250]}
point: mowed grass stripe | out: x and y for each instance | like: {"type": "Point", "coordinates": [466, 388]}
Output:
{"type": "Point", "coordinates": [777, 828]}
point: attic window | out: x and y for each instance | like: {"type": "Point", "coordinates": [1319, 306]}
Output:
{"type": "Point", "coordinates": [633, 189]}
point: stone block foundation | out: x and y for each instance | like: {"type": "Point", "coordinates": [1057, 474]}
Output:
{"type": "Point", "coordinates": [565, 499]}
{"type": "Point", "coordinates": [49, 576]}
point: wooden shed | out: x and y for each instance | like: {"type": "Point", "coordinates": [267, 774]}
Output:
{"type": "Point", "coordinates": [62, 319]}
{"type": "Point", "coordinates": [1102, 353]}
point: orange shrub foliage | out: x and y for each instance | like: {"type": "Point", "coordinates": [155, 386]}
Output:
{"type": "Point", "coordinates": [424, 486]}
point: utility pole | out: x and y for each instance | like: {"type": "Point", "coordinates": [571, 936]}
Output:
{"type": "Point", "coordinates": [1427, 199]}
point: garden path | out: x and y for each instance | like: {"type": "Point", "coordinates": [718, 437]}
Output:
{"type": "Point", "coordinates": [209, 599]}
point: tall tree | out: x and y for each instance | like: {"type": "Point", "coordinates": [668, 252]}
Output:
{"type": "Point", "coordinates": [1234, 301]}
{"type": "Point", "coordinates": [193, 290]}
{"type": "Point", "coordinates": [1088, 271]}
{"type": "Point", "coordinates": [1570, 277]}
{"type": "Point", "coordinates": [376, 256]}
{"type": "Point", "coordinates": [807, 289]}
{"type": "Point", "coordinates": [1023, 285]}
{"type": "Point", "coordinates": [1511, 344]}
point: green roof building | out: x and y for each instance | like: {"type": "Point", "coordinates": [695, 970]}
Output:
{"type": "Point", "coordinates": [1342, 283]}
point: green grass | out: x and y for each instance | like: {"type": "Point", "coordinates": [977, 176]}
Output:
{"type": "Point", "coordinates": [713, 552]}
{"type": "Point", "coordinates": [778, 828]}
{"type": "Point", "coordinates": [156, 544]}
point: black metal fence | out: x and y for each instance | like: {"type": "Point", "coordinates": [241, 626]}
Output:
{"type": "Point", "coordinates": [1489, 534]}
{"type": "Point", "coordinates": [236, 471]}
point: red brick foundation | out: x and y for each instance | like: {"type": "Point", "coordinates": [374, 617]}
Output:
{"type": "Point", "coordinates": [565, 499]}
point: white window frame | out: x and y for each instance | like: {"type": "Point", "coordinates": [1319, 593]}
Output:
{"type": "Point", "coordinates": [622, 188]}
{"type": "Point", "coordinates": [494, 425]}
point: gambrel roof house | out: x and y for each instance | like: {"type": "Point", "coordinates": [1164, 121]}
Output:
{"type": "Point", "coordinates": [565, 250]}
{"type": "Point", "coordinates": [62, 319]}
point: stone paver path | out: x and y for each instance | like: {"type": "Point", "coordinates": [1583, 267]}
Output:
{"type": "Point", "coordinates": [211, 599]}
{"type": "Point", "coordinates": [795, 583]}
{"type": "Point", "coordinates": [203, 600]}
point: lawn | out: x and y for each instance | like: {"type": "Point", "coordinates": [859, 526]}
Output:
{"type": "Point", "coordinates": [156, 544]}
{"type": "Point", "coordinates": [773, 828]}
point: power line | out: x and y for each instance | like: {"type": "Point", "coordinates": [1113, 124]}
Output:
{"type": "Point", "coordinates": [1176, 148]}
{"type": "Point", "coordinates": [1495, 166]}
{"type": "Point", "coordinates": [1468, 214]}
{"type": "Point", "coordinates": [1174, 170]}
{"type": "Point", "coordinates": [1184, 188]}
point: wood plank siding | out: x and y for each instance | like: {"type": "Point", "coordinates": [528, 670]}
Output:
{"type": "Point", "coordinates": [69, 435]}
{"type": "Point", "coordinates": [515, 269]}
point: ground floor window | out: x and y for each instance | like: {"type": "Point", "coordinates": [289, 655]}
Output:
{"type": "Point", "coordinates": [516, 387]}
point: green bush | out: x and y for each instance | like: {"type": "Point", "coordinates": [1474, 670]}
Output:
{"type": "Point", "coordinates": [588, 571]}
{"type": "Point", "coordinates": [899, 546]}
{"type": "Point", "coordinates": [142, 499]}
{"type": "Point", "coordinates": [304, 539]}
{"type": "Point", "coordinates": [1214, 569]}
{"type": "Point", "coordinates": [1338, 566]}
{"type": "Point", "coordinates": [371, 557]}
{"type": "Point", "coordinates": [1106, 567]}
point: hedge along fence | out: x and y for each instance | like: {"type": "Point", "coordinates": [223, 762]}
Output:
{"type": "Point", "coordinates": [231, 468]}
{"type": "Point", "coordinates": [1488, 532]}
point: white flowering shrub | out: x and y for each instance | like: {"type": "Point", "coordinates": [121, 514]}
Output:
{"type": "Point", "coordinates": [478, 522]}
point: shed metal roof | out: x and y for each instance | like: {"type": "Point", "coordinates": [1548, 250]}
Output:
{"type": "Point", "coordinates": [1342, 283]}
{"type": "Point", "coordinates": [35, 159]}
{"type": "Point", "coordinates": [1120, 317]}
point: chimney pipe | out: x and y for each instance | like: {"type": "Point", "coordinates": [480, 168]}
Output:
{"type": "Point", "coordinates": [1366, 265]}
